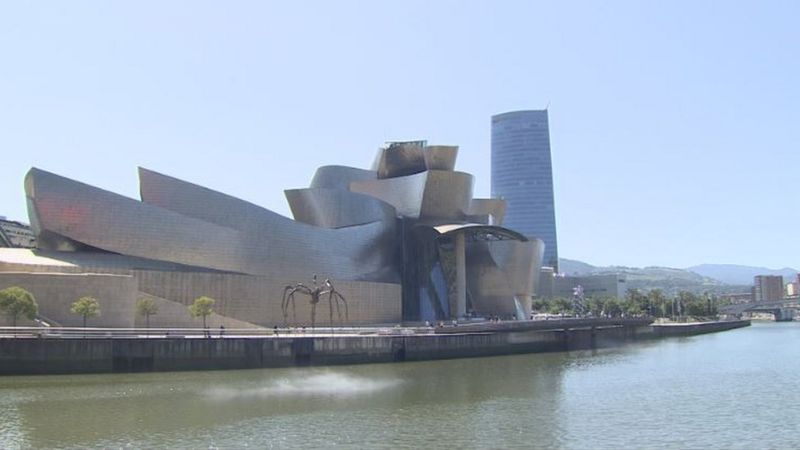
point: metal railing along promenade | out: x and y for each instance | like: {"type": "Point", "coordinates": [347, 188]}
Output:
{"type": "Point", "coordinates": [447, 327]}
{"type": "Point", "coordinates": [199, 333]}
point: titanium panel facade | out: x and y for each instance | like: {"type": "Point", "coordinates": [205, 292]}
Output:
{"type": "Point", "coordinates": [36, 260]}
{"type": "Point", "coordinates": [522, 175]}
{"type": "Point", "coordinates": [433, 195]}
{"type": "Point", "coordinates": [262, 242]}
{"type": "Point", "coordinates": [518, 261]}
{"type": "Point", "coordinates": [403, 193]}
{"type": "Point", "coordinates": [503, 275]}
{"type": "Point", "coordinates": [276, 243]}
{"type": "Point", "coordinates": [502, 267]}
{"type": "Point", "coordinates": [340, 177]}
{"type": "Point", "coordinates": [493, 209]}
{"type": "Point", "coordinates": [447, 196]}
{"type": "Point", "coordinates": [337, 208]}
{"type": "Point", "coordinates": [399, 160]}
{"type": "Point", "coordinates": [398, 242]}
{"type": "Point", "coordinates": [441, 157]}
{"type": "Point", "coordinates": [118, 224]}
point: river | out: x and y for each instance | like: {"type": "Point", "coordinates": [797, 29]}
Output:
{"type": "Point", "coordinates": [736, 389]}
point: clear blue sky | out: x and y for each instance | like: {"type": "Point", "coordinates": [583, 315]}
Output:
{"type": "Point", "coordinates": [674, 125]}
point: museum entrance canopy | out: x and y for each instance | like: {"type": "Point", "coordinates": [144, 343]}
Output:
{"type": "Point", "coordinates": [479, 232]}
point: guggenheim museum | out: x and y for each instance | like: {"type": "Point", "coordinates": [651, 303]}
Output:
{"type": "Point", "coordinates": [403, 242]}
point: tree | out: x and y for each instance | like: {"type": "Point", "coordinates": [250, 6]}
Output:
{"type": "Point", "coordinates": [202, 307]}
{"type": "Point", "coordinates": [16, 302]}
{"type": "Point", "coordinates": [632, 309]}
{"type": "Point", "coordinates": [689, 304]}
{"type": "Point", "coordinates": [658, 302]}
{"type": "Point", "coordinates": [635, 302]}
{"type": "Point", "coordinates": [612, 306]}
{"type": "Point", "coordinates": [146, 307]}
{"type": "Point", "coordinates": [539, 304]}
{"type": "Point", "coordinates": [711, 304]}
{"type": "Point", "coordinates": [595, 306]}
{"type": "Point", "coordinates": [694, 305]}
{"type": "Point", "coordinates": [561, 305]}
{"type": "Point", "coordinates": [86, 307]}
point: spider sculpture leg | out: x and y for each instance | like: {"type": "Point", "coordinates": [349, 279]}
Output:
{"type": "Point", "coordinates": [344, 302]}
{"type": "Point", "coordinates": [298, 288]}
{"type": "Point", "coordinates": [334, 300]}
{"type": "Point", "coordinates": [337, 297]}
{"type": "Point", "coordinates": [330, 312]}
{"type": "Point", "coordinates": [330, 306]}
{"type": "Point", "coordinates": [294, 312]}
{"type": "Point", "coordinates": [287, 293]}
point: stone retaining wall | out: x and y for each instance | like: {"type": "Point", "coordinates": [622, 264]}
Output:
{"type": "Point", "coordinates": [74, 355]}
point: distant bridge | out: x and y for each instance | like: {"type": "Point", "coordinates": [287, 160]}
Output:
{"type": "Point", "coordinates": [780, 309]}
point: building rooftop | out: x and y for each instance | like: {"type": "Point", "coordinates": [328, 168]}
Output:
{"type": "Point", "coordinates": [16, 234]}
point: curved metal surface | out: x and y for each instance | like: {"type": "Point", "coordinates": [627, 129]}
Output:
{"type": "Point", "coordinates": [111, 222]}
{"type": "Point", "coordinates": [447, 196]}
{"type": "Point", "coordinates": [433, 195]}
{"type": "Point", "coordinates": [502, 265]}
{"type": "Point", "coordinates": [196, 238]}
{"type": "Point", "coordinates": [337, 208]}
{"type": "Point", "coordinates": [47, 240]}
{"type": "Point", "coordinates": [488, 286]}
{"type": "Point", "coordinates": [278, 243]}
{"type": "Point", "coordinates": [500, 273]}
{"type": "Point", "coordinates": [340, 177]}
{"type": "Point", "coordinates": [520, 262]}
{"type": "Point", "coordinates": [189, 224]}
{"type": "Point", "coordinates": [479, 229]}
{"type": "Point", "coordinates": [493, 208]}
{"type": "Point", "coordinates": [404, 193]}
{"type": "Point", "coordinates": [399, 160]}
{"type": "Point", "coordinates": [441, 157]}
{"type": "Point", "coordinates": [40, 261]}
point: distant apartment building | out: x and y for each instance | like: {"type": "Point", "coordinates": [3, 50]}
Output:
{"type": "Point", "coordinates": [522, 174]}
{"type": "Point", "coordinates": [792, 289]}
{"type": "Point", "coordinates": [736, 298]}
{"type": "Point", "coordinates": [609, 285]}
{"type": "Point", "coordinates": [16, 234]}
{"type": "Point", "coordinates": [767, 288]}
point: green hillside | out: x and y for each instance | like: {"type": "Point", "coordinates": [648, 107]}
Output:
{"type": "Point", "coordinates": [669, 280]}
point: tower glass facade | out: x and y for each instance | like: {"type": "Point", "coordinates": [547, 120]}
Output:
{"type": "Point", "coordinates": [522, 174]}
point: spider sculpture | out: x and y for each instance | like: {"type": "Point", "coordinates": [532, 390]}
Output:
{"type": "Point", "coordinates": [315, 293]}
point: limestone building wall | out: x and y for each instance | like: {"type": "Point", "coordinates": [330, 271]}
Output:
{"type": "Point", "coordinates": [56, 292]}
{"type": "Point", "coordinates": [176, 315]}
{"type": "Point", "coordinates": [257, 299]}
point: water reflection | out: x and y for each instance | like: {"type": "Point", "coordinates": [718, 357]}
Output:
{"type": "Point", "coordinates": [462, 395]}
{"type": "Point", "coordinates": [601, 399]}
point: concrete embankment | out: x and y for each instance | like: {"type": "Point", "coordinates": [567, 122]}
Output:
{"type": "Point", "coordinates": [691, 329]}
{"type": "Point", "coordinates": [146, 354]}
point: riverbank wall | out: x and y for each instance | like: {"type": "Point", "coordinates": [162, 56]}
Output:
{"type": "Point", "coordinates": [150, 354]}
{"type": "Point", "coordinates": [691, 329]}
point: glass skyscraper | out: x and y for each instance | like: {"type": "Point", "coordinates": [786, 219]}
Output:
{"type": "Point", "coordinates": [522, 174]}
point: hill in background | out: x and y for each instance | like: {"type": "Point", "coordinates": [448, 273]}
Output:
{"type": "Point", "coordinates": [670, 280]}
{"type": "Point", "coordinates": [735, 274]}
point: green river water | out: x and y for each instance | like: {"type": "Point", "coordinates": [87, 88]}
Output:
{"type": "Point", "coordinates": [736, 389]}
